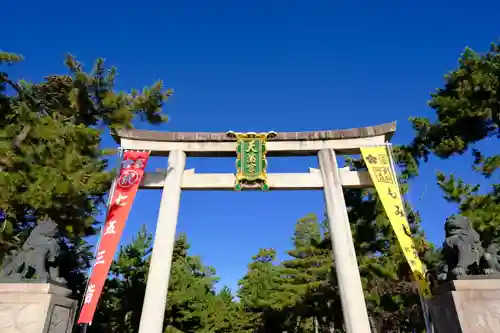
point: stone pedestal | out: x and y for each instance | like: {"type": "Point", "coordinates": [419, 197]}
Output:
{"type": "Point", "coordinates": [467, 306]}
{"type": "Point", "coordinates": [35, 308]}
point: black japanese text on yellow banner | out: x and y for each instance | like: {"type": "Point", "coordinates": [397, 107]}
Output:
{"type": "Point", "coordinates": [384, 178]}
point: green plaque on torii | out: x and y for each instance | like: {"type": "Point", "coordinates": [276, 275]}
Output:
{"type": "Point", "coordinates": [251, 163]}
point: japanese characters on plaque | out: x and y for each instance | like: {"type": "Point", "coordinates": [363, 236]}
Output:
{"type": "Point", "coordinates": [251, 163]}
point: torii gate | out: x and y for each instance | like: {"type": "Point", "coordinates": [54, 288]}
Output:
{"type": "Point", "coordinates": [329, 177]}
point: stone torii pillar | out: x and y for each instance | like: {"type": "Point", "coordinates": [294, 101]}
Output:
{"type": "Point", "coordinates": [155, 299]}
{"type": "Point", "coordinates": [344, 254]}
{"type": "Point", "coordinates": [329, 178]}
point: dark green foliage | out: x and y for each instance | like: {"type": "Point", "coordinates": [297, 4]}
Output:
{"type": "Point", "coordinates": [76, 257]}
{"type": "Point", "coordinates": [297, 295]}
{"type": "Point", "coordinates": [308, 288]}
{"type": "Point", "coordinates": [193, 304]}
{"type": "Point", "coordinates": [257, 287]}
{"type": "Point", "coordinates": [118, 309]}
{"type": "Point", "coordinates": [53, 165]}
{"type": "Point", "coordinates": [466, 108]}
{"type": "Point", "coordinates": [50, 144]}
{"type": "Point", "coordinates": [51, 161]}
{"type": "Point", "coordinates": [467, 112]}
{"type": "Point", "coordinates": [301, 294]}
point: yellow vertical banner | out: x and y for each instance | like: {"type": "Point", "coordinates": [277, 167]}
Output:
{"type": "Point", "coordinates": [382, 172]}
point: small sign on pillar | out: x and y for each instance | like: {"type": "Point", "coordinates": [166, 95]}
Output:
{"type": "Point", "coordinates": [251, 161]}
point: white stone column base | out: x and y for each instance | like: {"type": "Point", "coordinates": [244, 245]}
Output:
{"type": "Point", "coordinates": [36, 308]}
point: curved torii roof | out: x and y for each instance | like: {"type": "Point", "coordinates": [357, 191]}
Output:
{"type": "Point", "coordinates": [283, 144]}
{"type": "Point", "coordinates": [386, 130]}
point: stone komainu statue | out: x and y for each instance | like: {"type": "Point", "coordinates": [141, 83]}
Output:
{"type": "Point", "coordinates": [463, 252]}
{"type": "Point", "coordinates": [37, 259]}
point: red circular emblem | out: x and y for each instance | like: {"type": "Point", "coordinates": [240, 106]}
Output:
{"type": "Point", "coordinates": [128, 178]}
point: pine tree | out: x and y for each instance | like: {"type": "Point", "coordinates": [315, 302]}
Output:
{"type": "Point", "coordinates": [258, 293]}
{"type": "Point", "coordinates": [256, 288]}
{"type": "Point", "coordinates": [50, 144]}
{"type": "Point", "coordinates": [467, 112]}
{"type": "Point", "coordinates": [120, 307]}
{"type": "Point", "coordinates": [75, 261]}
{"type": "Point", "coordinates": [308, 289]}
{"type": "Point", "coordinates": [193, 305]}
{"type": "Point", "coordinates": [393, 302]}
{"type": "Point", "coordinates": [52, 163]}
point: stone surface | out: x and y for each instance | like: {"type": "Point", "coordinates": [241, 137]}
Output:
{"type": "Point", "coordinates": [155, 299]}
{"type": "Point", "coordinates": [274, 148]}
{"type": "Point", "coordinates": [479, 277]}
{"type": "Point", "coordinates": [39, 252]}
{"type": "Point", "coordinates": [359, 132]}
{"type": "Point", "coordinates": [35, 308]}
{"type": "Point", "coordinates": [467, 306]}
{"type": "Point", "coordinates": [277, 181]}
{"type": "Point", "coordinates": [346, 266]}
{"type": "Point", "coordinates": [463, 252]}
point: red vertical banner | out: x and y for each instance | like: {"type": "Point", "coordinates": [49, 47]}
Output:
{"type": "Point", "coordinates": [131, 173]}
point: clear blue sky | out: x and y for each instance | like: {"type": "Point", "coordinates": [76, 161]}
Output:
{"type": "Point", "coordinates": [257, 66]}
